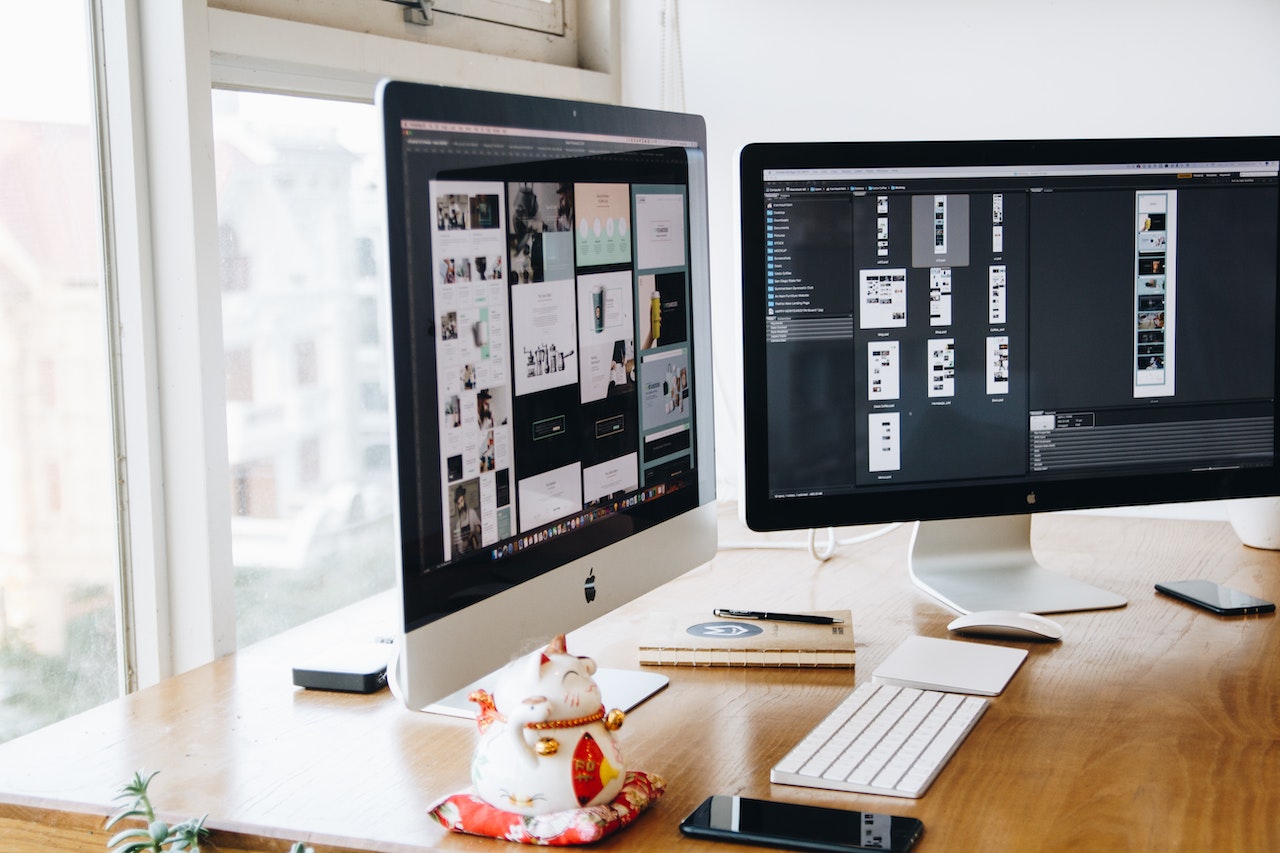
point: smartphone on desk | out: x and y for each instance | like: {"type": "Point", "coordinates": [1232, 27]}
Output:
{"type": "Point", "coordinates": [1220, 599]}
{"type": "Point", "coordinates": [793, 826]}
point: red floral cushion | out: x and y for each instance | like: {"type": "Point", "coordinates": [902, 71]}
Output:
{"type": "Point", "coordinates": [465, 812]}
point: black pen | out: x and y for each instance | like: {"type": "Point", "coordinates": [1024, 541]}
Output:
{"type": "Point", "coordinates": [775, 617]}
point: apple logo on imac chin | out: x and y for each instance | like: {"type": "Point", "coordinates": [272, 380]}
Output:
{"type": "Point", "coordinates": [589, 587]}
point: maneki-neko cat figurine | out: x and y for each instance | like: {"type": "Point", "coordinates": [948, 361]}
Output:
{"type": "Point", "coordinates": [546, 742]}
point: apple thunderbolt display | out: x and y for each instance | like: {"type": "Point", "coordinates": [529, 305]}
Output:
{"type": "Point", "coordinates": [549, 311]}
{"type": "Point", "coordinates": [963, 333]}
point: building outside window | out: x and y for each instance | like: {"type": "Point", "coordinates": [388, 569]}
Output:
{"type": "Point", "coordinates": [299, 185]}
{"type": "Point", "coordinates": [58, 548]}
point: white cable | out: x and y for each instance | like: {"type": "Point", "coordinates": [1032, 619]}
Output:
{"type": "Point", "coordinates": [672, 59]}
{"type": "Point", "coordinates": [821, 554]}
{"type": "Point", "coordinates": [825, 554]}
{"type": "Point", "coordinates": [393, 672]}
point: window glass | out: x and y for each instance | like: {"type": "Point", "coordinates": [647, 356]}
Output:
{"type": "Point", "coordinates": [59, 649]}
{"type": "Point", "coordinates": [299, 219]}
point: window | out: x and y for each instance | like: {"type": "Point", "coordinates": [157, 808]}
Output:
{"type": "Point", "coordinates": [368, 330]}
{"type": "Point", "coordinates": [233, 266]}
{"type": "Point", "coordinates": [309, 460]}
{"type": "Point", "coordinates": [253, 489]}
{"type": "Point", "coordinates": [546, 31]}
{"type": "Point", "coordinates": [301, 503]}
{"type": "Point", "coordinates": [307, 365]}
{"type": "Point", "coordinates": [366, 254]}
{"type": "Point", "coordinates": [58, 551]}
{"type": "Point", "coordinates": [377, 459]}
{"type": "Point", "coordinates": [300, 188]}
{"type": "Point", "coordinates": [373, 396]}
{"type": "Point", "coordinates": [545, 16]}
{"type": "Point", "coordinates": [239, 375]}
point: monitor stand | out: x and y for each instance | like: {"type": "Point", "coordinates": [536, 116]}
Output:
{"type": "Point", "coordinates": [623, 689]}
{"type": "Point", "coordinates": [977, 564]}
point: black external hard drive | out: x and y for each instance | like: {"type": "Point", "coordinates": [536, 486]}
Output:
{"type": "Point", "coordinates": [353, 668]}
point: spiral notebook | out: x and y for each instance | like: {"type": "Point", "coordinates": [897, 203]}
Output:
{"type": "Point", "coordinates": [702, 639]}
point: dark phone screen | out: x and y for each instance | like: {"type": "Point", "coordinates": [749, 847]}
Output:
{"type": "Point", "coordinates": [1218, 598]}
{"type": "Point", "coordinates": [803, 827]}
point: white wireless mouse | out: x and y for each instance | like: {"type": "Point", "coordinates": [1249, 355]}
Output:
{"type": "Point", "coordinates": [1007, 623]}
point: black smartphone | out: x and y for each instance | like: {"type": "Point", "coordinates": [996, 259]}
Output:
{"type": "Point", "coordinates": [1222, 600]}
{"type": "Point", "coordinates": [799, 827]}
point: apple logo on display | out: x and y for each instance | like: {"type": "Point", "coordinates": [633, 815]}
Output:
{"type": "Point", "coordinates": [589, 588]}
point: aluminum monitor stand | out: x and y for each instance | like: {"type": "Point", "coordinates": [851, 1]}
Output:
{"type": "Point", "coordinates": [977, 564]}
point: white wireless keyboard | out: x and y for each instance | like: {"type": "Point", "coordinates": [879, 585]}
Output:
{"type": "Point", "coordinates": [882, 740]}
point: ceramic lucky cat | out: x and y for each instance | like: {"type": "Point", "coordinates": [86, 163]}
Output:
{"type": "Point", "coordinates": [546, 742]}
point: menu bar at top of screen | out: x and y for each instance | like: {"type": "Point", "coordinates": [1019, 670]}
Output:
{"type": "Point", "coordinates": [1250, 168]}
{"type": "Point", "coordinates": [530, 133]}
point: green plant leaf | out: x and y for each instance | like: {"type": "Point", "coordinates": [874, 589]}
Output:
{"type": "Point", "coordinates": [123, 814]}
{"type": "Point", "coordinates": [137, 787]}
{"type": "Point", "coordinates": [139, 806]}
{"type": "Point", "coordinates": [121, 837]}
{"type": "Point", "coordinates": [188, 835]}
{"type": "Point", "coordinates": [131, 841]}
{"type": "Point", "coordinates": [159, 832]}
{"type": "Point", "coordinates": [136, 847]}
{"type": "Point", "coordinates": [157, 835]}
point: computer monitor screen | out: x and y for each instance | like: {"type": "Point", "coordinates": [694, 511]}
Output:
{"type": "Point", "coordinates": [550, 350]}
{"type": "Point", "coordinates": [955, 330]}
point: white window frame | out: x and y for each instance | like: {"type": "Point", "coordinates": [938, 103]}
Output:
{"type": "Point", "coordinates": [159, 61]}
{"type": "Point", "coordinates": [275, 55]}
{"type": "Point", "coordinates": [543, 15]}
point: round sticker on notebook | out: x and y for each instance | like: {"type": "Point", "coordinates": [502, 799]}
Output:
{"type": "Point", "coordinates": [724, 630]}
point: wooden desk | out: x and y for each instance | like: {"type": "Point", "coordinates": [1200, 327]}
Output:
{"type": "Point", "coordinates": [1154, 727]}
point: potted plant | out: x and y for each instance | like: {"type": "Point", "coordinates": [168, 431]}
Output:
{"type": "Point", "coordinates": [156, 836]}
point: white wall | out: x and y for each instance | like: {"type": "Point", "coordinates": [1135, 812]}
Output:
{"type": "Point", "coordinates": [935, 69]}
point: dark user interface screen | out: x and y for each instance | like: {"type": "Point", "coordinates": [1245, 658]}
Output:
{"type": "Point", "coordinates": [986, 324]}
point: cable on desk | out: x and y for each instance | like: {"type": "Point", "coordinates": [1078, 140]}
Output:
{"type": "Point", "coordinates": [822, 552]}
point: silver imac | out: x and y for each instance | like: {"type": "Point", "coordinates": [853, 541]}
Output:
{"type": "Point", "coordinates": [550, 328]}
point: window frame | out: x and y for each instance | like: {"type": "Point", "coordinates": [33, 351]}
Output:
{"type": "Point", "coordinates": [275, 55]}
{"type": "Point", "coordinates": [177, 604]}
{"type": "Point", "coordinates": [545, 16]}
